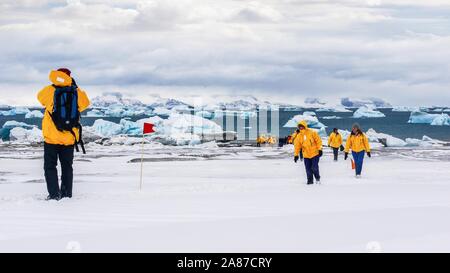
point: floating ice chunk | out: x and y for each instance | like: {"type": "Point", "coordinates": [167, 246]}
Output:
{"type": "Point", "coordinates": [426, 118]}
{"type": "Point", "coordinates": [107, 128]}
{"type": "Point", "coordinates": [335, 109]}
{"type": "Point", "coordinates": [367, 112]}
{"type": "Point", "coordinates": [424, 142]}
{"type": "Point", "coordinates": [421, 117]}
{"type": "Point", "coordinates": [163, 111]}
{"type": "Point", "coordinates": [404, 109]}
{"type": "Point", "coordinates": [331, 117]}
{"type": "Point", "coordinates": [309, 113]}
{"type": "Point", "coordinates": [441, 120]}
{"type": "Point", "coordinates": [312, 122]}
{"type": "Point", "coordinates": [185, 123]}
{"type": "Point", "coordinates": [10, 124]}
{"type": "Point", "coordinates": [247, 114]}
{"type": "Point", "coordinates": [15, 111]}
{"type": "Point", "coordinates": [391, 141]}
{"type": "Point", "coordinates": [34, 114]}
{"type": "Point", "coordinates": [95, 113]}
{"type": "Point", "coordinates": [21, 135]}
{"type": "Point", "coordinates": [204, 114]}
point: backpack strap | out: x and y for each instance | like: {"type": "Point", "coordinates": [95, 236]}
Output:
{"type": "Point", "coordinates": [80, 130]}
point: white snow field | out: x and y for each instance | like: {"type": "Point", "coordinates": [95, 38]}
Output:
{"type": "Point", "coordinates": [210, 199]}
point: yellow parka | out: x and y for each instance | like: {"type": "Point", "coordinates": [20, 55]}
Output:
{"type": "Point", "coordinates": [335, 140]}
{"type": "Point", "coordinates": [357, 143]}
{"type": "Point", "coordinates": [51, 134]}
{"type": "Point", "coordinates": [308, 141]}
{"type": "Point", "coordinates": [293, 137]}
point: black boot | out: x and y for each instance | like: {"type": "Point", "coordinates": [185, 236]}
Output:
{"type": "Point", "coordinates": [57, 198]}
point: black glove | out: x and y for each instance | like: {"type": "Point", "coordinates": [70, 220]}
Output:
{"type": "Point", "coordinates": [341, 148]}
{"type": "Point", "coordinates": [320, 153]}
{"type": "Point", "coordinates": [368, 154]}
{"type": "Point", "coordinates": [346, 156]}
{"type": "Point", "coordinates": [297, 131]}
{"type": "Point", "coordinates": [296, 158]}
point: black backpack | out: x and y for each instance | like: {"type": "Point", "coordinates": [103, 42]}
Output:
{"type": "Point", "coordinates": [65, 113]}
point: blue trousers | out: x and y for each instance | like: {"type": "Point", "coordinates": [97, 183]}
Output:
{"type": "Point", "coordinates": [312, 169]}
{"type": "Point", "coordinates": [359, 160]}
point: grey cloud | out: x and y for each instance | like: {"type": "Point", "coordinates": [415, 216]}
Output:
{"type": "Point", "coordinates": [287, 48]}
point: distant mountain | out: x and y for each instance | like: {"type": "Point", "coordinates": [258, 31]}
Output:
{"type": "Point", "coordinates": [169, 104]}
{"type": "Point", "coordinates": [356, 103]}
{"type": "Point", "coordinates": [115, 99]}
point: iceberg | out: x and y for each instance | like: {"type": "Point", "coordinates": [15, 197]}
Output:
{"type": "Point", "coordinates": [10, 124]}
{"type": "Point", "coordinates": [424, 142]}
{"type": "Point", "coordinates": [34, 114]}
{"type": "Point", "coordinates": [335, 109]}
{"type": "Point", "coordinates": [404, 109]}
{"type": "Point", "coordinates": [185, 123]}
{"type": "Point", "coordinates": [106, 128]}
{"type": "Point", "coordinates": [367, 112]}
{"type": "Point", "coordinates": [426, 118]}
{"type": "Point", "coordinates": [204, 114]}
{"type": "Point", "coordinates": [161, 111]}
{"type": "Point", "coordinates": [309, 113]}
{"type": "Point", "coordinates": [441, 120]}
{"type": "Point", "coordinates": [312, 122]}
{"type": "Point", "coordinates": [178, 129]}
{"type": "Point", "coordinates": [95, 113]}
{"type": "Point", "coordinates": [389, 140]}
{"type": "Point", "coordinates": [15, 111]}
{"type": "Point", "coordinates": [247, 114]}
{"type": "Point", "coordinates": [21, 135]}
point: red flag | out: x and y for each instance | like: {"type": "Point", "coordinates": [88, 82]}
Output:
{"type": "Point", "coordinates": [148, 128]}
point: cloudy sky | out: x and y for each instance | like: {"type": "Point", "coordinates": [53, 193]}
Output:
{"type": "Point", "coordinates": [282, 50]}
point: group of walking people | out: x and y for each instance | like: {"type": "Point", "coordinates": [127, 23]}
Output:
{"type": "Point", "coordinates": [64, 101]}
{"type": "Point", "coordinates": [308, 148]}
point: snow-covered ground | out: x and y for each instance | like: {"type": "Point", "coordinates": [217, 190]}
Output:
{"type": "Point", "coordinates": [210, 199]}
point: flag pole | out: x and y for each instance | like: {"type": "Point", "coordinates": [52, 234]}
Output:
{"type": "Point", "coordinates": [142, 161]}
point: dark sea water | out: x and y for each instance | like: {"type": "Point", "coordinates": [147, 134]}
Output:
{"type": "Point", "coordinates": [395, 123]}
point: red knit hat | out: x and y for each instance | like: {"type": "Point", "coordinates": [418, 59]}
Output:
{"type": "Point", "coordinates": [65, 70]}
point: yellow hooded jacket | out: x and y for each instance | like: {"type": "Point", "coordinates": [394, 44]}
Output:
{"type": "Point", "coordinates": [293, 137]}
{"type": "Point", "coordinates": [335, 140]}
{"type": "Point", "coordinates": [357, 143]}
{"type": "Point", "coordinates": [308, 141]}
{"type": "Point", "coordinates": [51, 134]}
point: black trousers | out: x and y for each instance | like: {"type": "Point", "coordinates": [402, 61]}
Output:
{"type": "Point", "coordinates": [335, 153]}
{"type": "Point", "coordinates": [312, 169]}
{"type": "Point", "coordinates": [65, 154]}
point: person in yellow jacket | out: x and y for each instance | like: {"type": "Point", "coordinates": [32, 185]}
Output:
{"type": "Point", "coordinates": [59, 143]}
{"type": "Point", "coordinates": [335, 142]}
{"type": "Point", "coordinates": [309, 144]}
{"type": "Point", "coordinates": [293, 136]}
{"type": "Point", "coordinates": [359, 144]}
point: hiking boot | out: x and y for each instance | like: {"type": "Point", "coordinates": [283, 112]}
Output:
{"type": "Point", "coordinates": [56, 198]}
